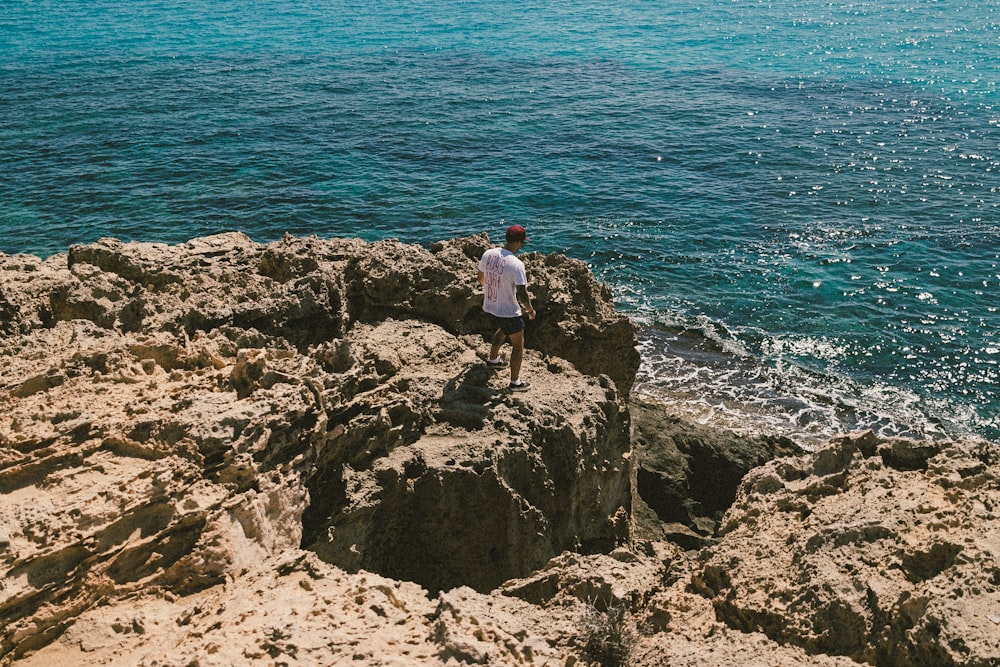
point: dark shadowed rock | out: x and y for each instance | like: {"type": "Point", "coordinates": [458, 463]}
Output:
{"type": "Point", "coordinates": [688, 474]}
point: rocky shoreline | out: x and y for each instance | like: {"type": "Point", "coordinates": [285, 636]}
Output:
{"type": "Point", "coordinates": [225, 452]}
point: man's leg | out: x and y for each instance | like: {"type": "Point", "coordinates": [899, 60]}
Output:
{"type": "Point", "coordinates": [498, 338]}
{"type": "Point", "coordinates": [516, 354]}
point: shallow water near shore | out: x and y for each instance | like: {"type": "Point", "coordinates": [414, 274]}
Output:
{"type": "Point", "coordinates": [797, 202]}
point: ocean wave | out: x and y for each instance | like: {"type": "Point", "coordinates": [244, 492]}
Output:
{"type": "Point", "coordinates": [713, 379]}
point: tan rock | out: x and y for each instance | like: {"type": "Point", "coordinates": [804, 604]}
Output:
{"type": "Point", "coordinates": [228, 453]}
{"type": "Point", "coordinates": [882, 551]}
{"type": "Point", "coordinates": [173, 416]}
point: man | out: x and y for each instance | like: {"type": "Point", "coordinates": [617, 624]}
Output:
{"type": "Point", "coordinates": [504, 290]}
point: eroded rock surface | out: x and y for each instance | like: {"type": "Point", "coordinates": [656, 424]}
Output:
{"type": "Point", "coordinates": [687, 475]}
{"type": "Point", "coordinates": [228, 453]}
{"type": "Point", "coordinates": [887, 552]}
{"type": "Point", "coordinates": [174, 415]}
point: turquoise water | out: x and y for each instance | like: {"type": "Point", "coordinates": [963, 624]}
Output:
{"type": "Point", "coordinates": [797, 200]}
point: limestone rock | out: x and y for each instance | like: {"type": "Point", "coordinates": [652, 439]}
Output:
{"type": "Point", "coordinates": [174, 415]}
{"type": "Point", "coordinates": [884, 551]}
{"type": "Point", "coordinates": [229, 453]}
{"type": "Point", "coordinates": [688, 475]}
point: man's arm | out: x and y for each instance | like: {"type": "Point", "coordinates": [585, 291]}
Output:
{"type": "Point", "coordinates": [523, 298]}
{"type": "Point", "coordinates": [480, 276]}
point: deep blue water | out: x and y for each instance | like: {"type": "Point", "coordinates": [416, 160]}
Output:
{"type": "Point", "coordinates": [797, 200]}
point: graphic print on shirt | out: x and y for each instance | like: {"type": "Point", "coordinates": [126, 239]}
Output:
{"type": "Point", "coordinates": [502, 273]}
{"type": "Point", "coordinates": [493, 271]}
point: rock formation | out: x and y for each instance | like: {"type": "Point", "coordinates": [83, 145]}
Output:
{"type": "Point", "coordinates": [887, 552]}
{"type": "Point", "coordinates": [175, 415]}
{"type": "Point", "coordinates": [229, 453]}
{"type": "Point", "coordinates": [687, 475]}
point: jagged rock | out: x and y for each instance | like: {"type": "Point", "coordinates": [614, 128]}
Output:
{"type": "Point", "coordinates": [688, 475]}
{"type": "Point", "coordinates": [884, 551]}
{"type": "Point", "coordinates": [173, 415]}
{"type": "Point", "coordinates": [437, 475]}
{"type": "Point", "coordinates": [225, 453]}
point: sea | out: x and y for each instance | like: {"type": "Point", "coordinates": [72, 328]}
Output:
{"type": "Point", "coordinates": [795, 200]}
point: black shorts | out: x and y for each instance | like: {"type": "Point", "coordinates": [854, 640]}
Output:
{"type": "Point", "coordinates": [509, 325]}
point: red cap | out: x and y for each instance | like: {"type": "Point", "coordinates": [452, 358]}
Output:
{"type": "Point", "coordinates": [516, 233]}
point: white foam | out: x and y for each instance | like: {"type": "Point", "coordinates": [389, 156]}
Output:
{"type": "Point", "coordinates": [743, 394]}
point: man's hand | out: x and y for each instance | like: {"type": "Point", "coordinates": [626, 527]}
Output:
{"type": "Point", "coordinates": [524, 300]}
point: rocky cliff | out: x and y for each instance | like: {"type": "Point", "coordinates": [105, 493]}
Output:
{"type": "Point", "coordinates": [228, 453]}
{"type": "Point", "coordinates": [173, 415]}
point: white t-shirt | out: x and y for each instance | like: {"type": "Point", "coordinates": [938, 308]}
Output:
{"type": "Point", "coordinates": [502, 273]}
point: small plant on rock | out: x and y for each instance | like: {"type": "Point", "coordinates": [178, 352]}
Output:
{"type": "Point", "coordinates": [607, 634]}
